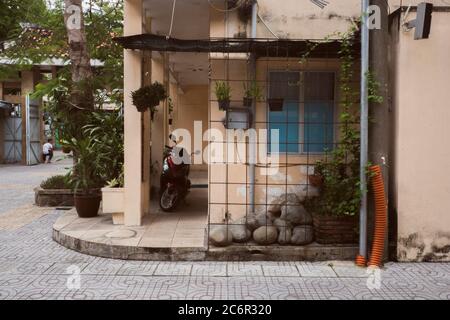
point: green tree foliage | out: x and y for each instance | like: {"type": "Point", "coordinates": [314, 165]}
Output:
{"type": "Point", "coordinates": [14, 12]}
{"type": "Point", "coordinates": [45, 36]}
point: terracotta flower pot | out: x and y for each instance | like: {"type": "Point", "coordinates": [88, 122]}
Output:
{"type": "Point", "coordinates": [247, 102]}
{"type": "Point", "coordinates": [66, 150]}
{"type": "Point", "coordinates": [87, 205]}
{"type": "Point", "coordinates": [275, 104]}
{"type": "Point", "coordinates": [329, 229]}
{"type": "Point", "coordinates": [224, 104]}
{"type": "Point", "coordinates": [315, 180]}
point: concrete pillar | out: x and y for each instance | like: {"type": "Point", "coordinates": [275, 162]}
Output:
{"type": "Point", "coordinates": [134, 201]}
{"type": "Point", "coordinates": [27, 87]}
{"type": "Point", "coordinates": [146, 119]}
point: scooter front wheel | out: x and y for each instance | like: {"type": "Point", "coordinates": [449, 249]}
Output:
{"type": "Point", "coordinates": [169, 199]}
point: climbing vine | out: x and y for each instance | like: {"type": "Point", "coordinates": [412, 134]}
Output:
{"type": "Point", "coordinates": [340, 193]}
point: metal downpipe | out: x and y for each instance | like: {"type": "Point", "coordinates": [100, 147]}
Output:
{"type": "Point", "coordinates": [252, 147]}
{"type": "Point", "coordinates": [361, 259]}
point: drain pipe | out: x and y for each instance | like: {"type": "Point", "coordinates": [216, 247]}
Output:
{"type": "Point", "coordinates": [361, 259]}
{"type": "Point", "coordinates": [252, 147]}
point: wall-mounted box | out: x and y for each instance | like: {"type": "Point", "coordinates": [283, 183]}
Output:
{"type": "Point", "coordinates": [237, 118]}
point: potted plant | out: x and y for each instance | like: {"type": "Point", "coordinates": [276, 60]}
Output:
{"type": "Point", "coordinates": [113, 198]}
{"type": "Point", "coordinates": [316, 179]}
{"type": "Point", "coordinates": [66, 150]}
{"type": "Point", "coordinates": [251, 91]}
{"type": "Point", "coordinates": [107, 133]}
{"type": "Point", "coordinates": [223, 94]}
{"type": "Point", "coordinates": [55, 191]}
{"type": "Point", "coordinates": [148, 97]}
{"type": "Point", "coordinates": [86, 177]}
{"type": "Point", "coordinates": [275, 104]}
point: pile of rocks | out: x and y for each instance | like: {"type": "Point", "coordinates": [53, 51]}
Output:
{"type": "Point", "coordinates": [286, 222]}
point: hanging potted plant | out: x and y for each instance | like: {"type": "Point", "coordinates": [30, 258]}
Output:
{"type": "Point", "coordinates": [275, 104]}
{"type": "Point", "coordinates": [316, 179]}
{"type": "Point", "coordinates": [149, 97]}
{"type": "Point", "coordinates": [223, 94]}
{"type": "Point", "coordinates": [86, 177]}
{"type": "Point", "coordinates": [251, 91]}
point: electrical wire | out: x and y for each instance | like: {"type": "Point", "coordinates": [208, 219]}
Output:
{"type": "Point", "coordinates": [171, 21]}
{"type": "Point", "coordinates": [225, 10]}
{"type": "Point", "coordinates": [268, 28]}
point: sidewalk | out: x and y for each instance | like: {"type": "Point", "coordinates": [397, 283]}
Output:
{"type": "Point", "coordinates": [33, 266]}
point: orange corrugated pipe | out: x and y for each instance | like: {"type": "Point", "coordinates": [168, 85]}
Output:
{"type": "Point", "coordinates": [379, 236]}
{"type": "Point", "coordinates": [376, 257]}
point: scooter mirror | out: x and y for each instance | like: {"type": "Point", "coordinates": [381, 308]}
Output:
{"type": "Point", "coordinates": [172, 138]}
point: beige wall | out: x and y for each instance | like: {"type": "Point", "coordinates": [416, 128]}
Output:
{"type": "Point", "coordinates": [228, 182]}
{"type": "Point", "coordinates": [294, 19]}
{"type": "Point", "coordinates": [192, 105]}
{"type": "Point", "coordinates": [422, 131]}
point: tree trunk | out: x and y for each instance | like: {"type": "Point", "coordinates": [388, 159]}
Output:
{"type": "Point", "coordinates": [82, 92]}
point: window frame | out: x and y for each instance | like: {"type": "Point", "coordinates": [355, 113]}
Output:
{"type": "Point", "coordinates": [301, 108]}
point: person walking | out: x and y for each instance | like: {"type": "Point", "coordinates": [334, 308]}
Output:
{"type": "Point", "coordinates": [47, 151]}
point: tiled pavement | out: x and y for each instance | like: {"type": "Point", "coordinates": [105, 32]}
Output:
{"type": "Point", "coordinates": [33, 266]}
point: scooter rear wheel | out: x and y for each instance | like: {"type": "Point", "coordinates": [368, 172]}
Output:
{"type": "Point", "coordinates": [169, 199]}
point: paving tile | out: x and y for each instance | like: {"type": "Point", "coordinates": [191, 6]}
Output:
{"type": "Point", "coordinates": [65, 268]}
{"type": "Point", "coordinates": [248, 288]}
{"type": "Point", "coordinates": [347, 269]}
{"type": "Point", "coordinates": [103, 267]}
{"type": "Point", "coordinates": [173, 269]}
{"type": "Point", "coordinates": [130, 268]}
{"type": "Point", "coordinates": [244, 269]}
{"type": "Point", "coordinates": [280, 269]}
{"type": "Point", "coordinates": [209, 269]}
{"type": "Point", "coordinates": [207, 288]}
{"type": "Point", "coordinates": [316, 269]}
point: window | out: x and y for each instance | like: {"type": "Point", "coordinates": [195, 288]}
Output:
{"type": "Point", "coordinates": [306, 122]}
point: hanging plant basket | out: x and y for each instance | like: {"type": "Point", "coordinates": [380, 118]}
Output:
{"type": "Point", "coordinates": [224, 104]}
{"type": "Point", "coordinates": [148, 97]}
{"type": "Point", "coordinates": [276, 104]}
{"type": "Point", "coordinates": [247, 102]}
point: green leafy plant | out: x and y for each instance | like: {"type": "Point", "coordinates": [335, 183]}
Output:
{"type": "Point", "coordinates": [373, 87]}
{"type": "Point", "coordinates": [148, 97]}
{"type": "Point", "coordinates": [86, 174]}
{"type": "Point", "coordinates": [106, 131]}
{"type": "Point", "coordinates": [57, 182]}
{"type": "Point", "coordinates": [223, 91]}
{"type": "Point", "coordinates": [252, 91]}
{"type": "Point", "coordinates": [340, 192]}
{"type": "Point", "coordinates": [118, 182]}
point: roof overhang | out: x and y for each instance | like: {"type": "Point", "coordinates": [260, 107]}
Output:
{"type": "Point", "coordinates": [259, 47]}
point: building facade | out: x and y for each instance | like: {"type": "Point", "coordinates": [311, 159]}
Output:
{"type": "Point", "coordinates": [309, 123]}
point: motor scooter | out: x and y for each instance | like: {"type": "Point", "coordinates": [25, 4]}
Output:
{"type": "Point", "coordinates": [174, 180]}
